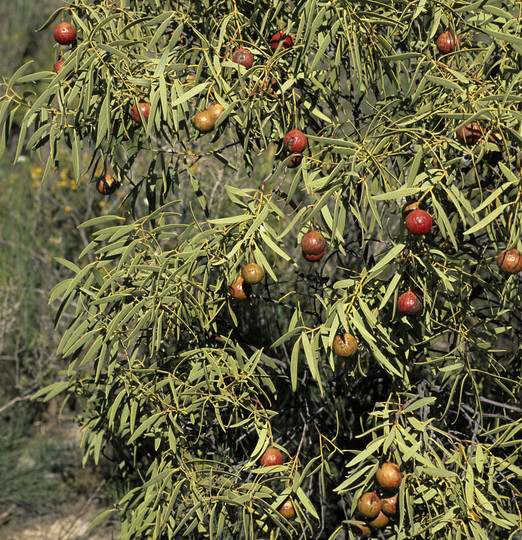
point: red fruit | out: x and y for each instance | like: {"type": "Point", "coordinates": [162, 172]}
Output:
{"type": "Point", "coordinates": [380, 521]}
{"type": "Point", "coordinates": [389, 505]}
{"type": "Point", "coordinates": [271, 457]}
{"type": "Point", "coordinates": [58, 66]}
{"type": "Point", "coordinates": [409, 304]}
{"type": "Point", "coordinates": [240, 290]}
{"type": "Point", "coordinates": [389, 476]}
{"type": "Point", "coordinates": [295, 141]}
{"type": "Point", "coordinates": [204, 121]}
{"type": "Point", "coordinates": [107, 184]}
{"type": "Point", "coordinates": [313, 243]}
{"type": "Point", "coordinates": [369, 505]}
{"type": "Point", "coordinates": [446, 42]}
{"type": "Point", "coordinates": [419, 222]}
{"type": "Point", "coordinates": [64, 33]}
{"type": "Point", "coordinates": [345, 345]}
{"type": "Point", "coordinates": [287, 41]}
{"type": "Point", "coordinates": [252, 273]}
{"type": "Point", "coordinates": [287, 510]}
{"type": "Point", "coordinates": [243, 57]}
{"type": "Point", "coordinates": [144, 107]}
{"type": "Point", "coordinates": [510, 261]}
{"type": "Point", "coordinates": [470, 134]}
{"type": "Point", "coordinates": [295, 161]}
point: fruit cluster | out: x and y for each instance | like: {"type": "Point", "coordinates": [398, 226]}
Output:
{"type": "Point", "coordinates": [205, 120]}
{"type": "Point", "coordinates": [65, 34]}
{"type": "Point", "coordinates": [241, 288]}
{"type": "Point", "coordinates": [376, 508]}
{"type": "Point", "coordinates": [271, 458]}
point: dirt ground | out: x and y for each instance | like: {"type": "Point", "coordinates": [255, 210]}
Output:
{"type": "Point", "coordinates": [67, 523]}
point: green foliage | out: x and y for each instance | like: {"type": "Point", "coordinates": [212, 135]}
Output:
{"type": "Point", "coordinates": [186, 387]}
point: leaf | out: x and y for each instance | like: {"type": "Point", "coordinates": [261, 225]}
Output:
{"type": "Point", "coordinates": [487, 220]}
{"type": "Point", "coordinates": [186, 96]}
{"type": "Point", "coordinates": [385, 261]}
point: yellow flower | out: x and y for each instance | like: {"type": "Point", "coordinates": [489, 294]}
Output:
{"type": "Point", "coordinates": [67, 208]}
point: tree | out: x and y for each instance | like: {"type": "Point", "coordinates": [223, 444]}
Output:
{"type": "Point", "coordinates": [184, 386]}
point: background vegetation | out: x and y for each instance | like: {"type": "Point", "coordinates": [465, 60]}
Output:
{"type": "Point", "coordinates": [179, 387]}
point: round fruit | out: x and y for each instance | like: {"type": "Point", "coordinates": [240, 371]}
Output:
{"type": "Point", "coordinates": [287, 510]}
{"type": "Point", "coordinates": [239, 290]}
{"type": "Point", "coordinates": [360, 530]}
{"type": "Point", "coordinates": [295, 161]}
{"type": "Point", "coordinates": [295, 141]}
{"type": "Point", "coordinates": [389, 505]}
{"type": "Point", "coordinates": [389, 476]}
{"type": "Point", "coordinates": [203, 121]}
{"type": "Point", "coordinates": [380, 521]}
{"type": "Point", "coordinates": [510, 261]}
{"type": "Point", "coordinates": [64, 33]}
{"type": "Point", "coordinates": [243, 57]}
{"type": "Point", "coordinates": [58, 66]}
{"type": "Point", "coordinates": [419, 222]}
{"type": "Point", "coordinates": [313, 243]}
{"type": "Point", "coordinates": [345, 345]}
{"type": "Point", "coordinates": [252, 273]}
{"type": "Point", "coordinates": [215, 111]}
{"type": "Point", "coordinates": [271, 457]}
{"type": "Point", "coordinates": [446, 42]}
{"type": "Point", "coordinates": [369, 505]}
{"type": "Point", "coordinates": [107, 184]}
{"type": "Point", "coordinates": [470, 134]}
{"type": "Point", "coordinates": [144, 107]}
{"type": "Point", "coordinates": [409, 304]}
{"type": "Point", "coordinates": [287, 41]}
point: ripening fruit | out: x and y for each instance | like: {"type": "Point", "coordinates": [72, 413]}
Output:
{"type": "Point", "coordinates": [409, 304]}
{"type": "Point", "coordinates": [203, 121]}
{"type": "Point", "coordinates": [215, 111]}
{"type": "Point", "coordinates": [295, 141]}
{"type": "Point", "coordinates": [144, 107]}
{"type": "Point", "coordinates": [287, 510]}
{"type": "Point", "coordinates": [510, 261]}
{"type": "Point", "coordinates": [64, 33]}
{"type": "Point", "coordinates": [281, 36]}
{"type": "Point", "coordinates": [345, 345]}
{"type": "Point", "coordinates": [380, 521]}
{"type": "Point", "coordinates": [419, 222]}
{"type": "Point", "coordinates": [389, 505]}
{"type": "Point", "coordinates": [243, 57]}
{"type": "Point", "coordinates": [271, 457]}
{"type": "Point", "coordinates": [313, 244]}
{"type": "Point", "coordinates": [107, 184]}
{"type": "Point", "coordinates": [252, 273]}
{"type": "Point", "coordinates": [446, 42]}
{"type": "Point", "coordinates": [240, 290]}
{"type": "Point", "coordinates": [470, 134]}
{"type": "Point", "coordinates": [389, 476]}
{"type": "Point", "coordinates": [360, 530]}
{"type": "Point", "coordinates": [369, 505]}
{"type": "Point", "coordinates": [59, 65]}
